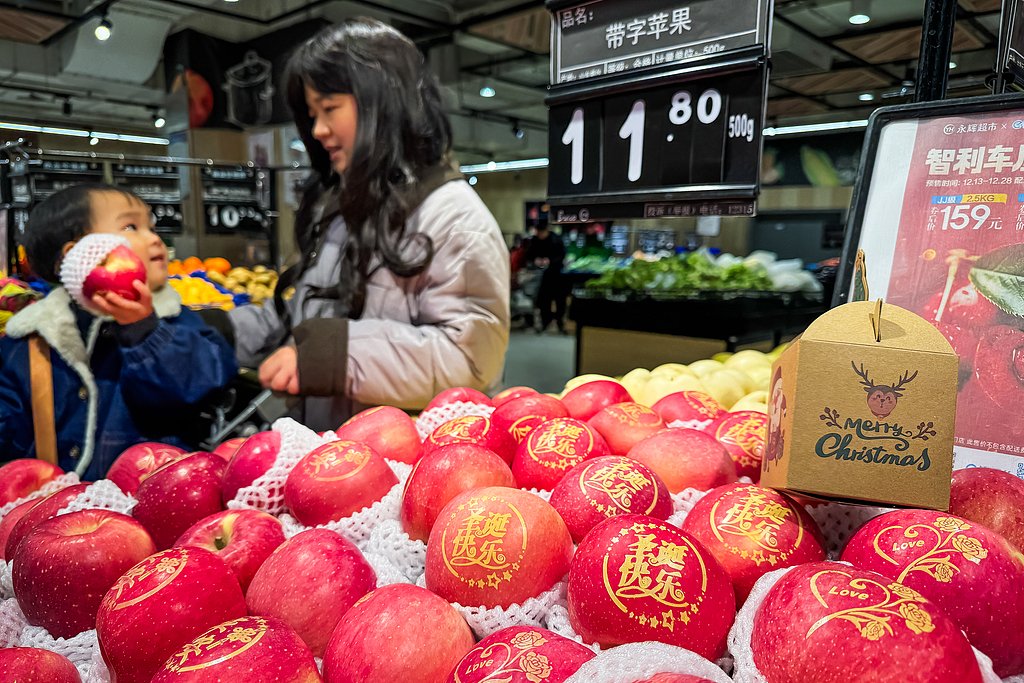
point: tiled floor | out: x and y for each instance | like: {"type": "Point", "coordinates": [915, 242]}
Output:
{"type": "Point", "coordinates": [541, 361]}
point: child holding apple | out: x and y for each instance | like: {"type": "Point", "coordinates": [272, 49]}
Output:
{"type": "Point", "coordinates": [402, 284]}
{"type": "Point", "coordinates": [121, 371]}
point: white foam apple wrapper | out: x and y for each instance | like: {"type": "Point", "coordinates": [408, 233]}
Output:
{"type": "Point", "coordinates": [638, 661]}
{"type": "Point", "coordinates": [101, 495]}
{"type": "Point", "coordinates": [743, 628]}
{"type": "Point", "coordinates": [699, 425]}
{"type": "Point", "coordinates": [429, 420]}
{"type": "Point", "coordinates": [80, 260]}
{"type": "Point", "coordinates": [52, 486]}
{"type": "Point", "coordinates": [82, 649]}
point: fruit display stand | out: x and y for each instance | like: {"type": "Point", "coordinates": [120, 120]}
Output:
{"type": "Point", "coordinates": [392, 536]}
{"type": "Point", "coordinates": [735, 318]}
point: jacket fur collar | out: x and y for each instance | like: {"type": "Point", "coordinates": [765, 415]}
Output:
{"type": "Point", "coordinates": [53, 319]}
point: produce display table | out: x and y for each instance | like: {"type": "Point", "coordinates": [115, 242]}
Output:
{"type": "Point", "coordinates": [733, 317]}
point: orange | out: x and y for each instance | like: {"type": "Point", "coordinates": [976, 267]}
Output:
{"type": "Point", "coordinates": [174, 268]}
{"type": "Point", "coordinates": [217, 264]}
{"type": "Point", "coordinates": [192, 264]}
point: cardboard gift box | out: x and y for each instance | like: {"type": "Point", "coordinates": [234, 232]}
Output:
{"type": "Point", "coordinates": [861, 408]}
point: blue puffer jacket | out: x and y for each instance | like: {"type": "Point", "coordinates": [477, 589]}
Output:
{"type": "Point", "coordinates": [113, 386]}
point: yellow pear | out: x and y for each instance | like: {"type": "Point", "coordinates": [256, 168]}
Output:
{"type": "Point", "coordinates": [755, 400]}
{"type": "Point", "coordinates": [705, 367]}
{"type": "Point", "coordinates": [634, 381]}
{"type": "Point", "coordinates": [661, 386]}
{"type": "Point", "coordinates": [672, 370]}
{"type": "Point", "coordinates": [748, 359]}
{"type": "Point", "coordinates": [723, 356]}
{"type": "Point", "coordinates": [742, 379]}
{"type": "Point", "coordinates": [761, 376]}
{"type": "Point", "coordinates": [724, 387]}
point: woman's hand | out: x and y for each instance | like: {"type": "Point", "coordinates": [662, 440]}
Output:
{"type": "Point", "coordinates": [125, 311]}
{"type": "Point", "coordinates": [280, 371]}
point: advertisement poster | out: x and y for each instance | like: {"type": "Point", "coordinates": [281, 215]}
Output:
{"type": "Point", "coordinates": [956, 258]}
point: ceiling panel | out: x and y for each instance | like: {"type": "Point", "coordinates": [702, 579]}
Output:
{"type": "Point", "coordinates": [794, 106]}
{"type": "Point", "coordinates": [27, 27]}
{"type": "Point", "coordinates": [843, 80]}
{"type": "Point", "coordinates": [903, 44]}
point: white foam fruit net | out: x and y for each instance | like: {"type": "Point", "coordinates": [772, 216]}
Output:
{"type": "Point", "coordinates": [52, 486]}
{"type": "Point", "coordinates": [102, 495]}
{"type": "Point", "coordinates": [267, 492]}
{"type": "Point", "coordinates": [743, 628]}
{"type": "Point", "coordinates": [699, 425]}
{"type": "Point", "coordinates": [429, 420]}
{"type": "Point", "coordinates": [87, 253]}
{"type": "Point", "coordinates": [637, 661]}
{"type": "Point", "coordinates": [82, 649]}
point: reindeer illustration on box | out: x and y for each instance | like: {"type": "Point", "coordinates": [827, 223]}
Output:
{"type": "Point", "coordinates": [882, 398]}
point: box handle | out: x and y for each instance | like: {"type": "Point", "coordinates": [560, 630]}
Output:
{"type": "Point", "coordinates": [876, 321]}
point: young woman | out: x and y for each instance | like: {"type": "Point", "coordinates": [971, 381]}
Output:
{"type": "Point", "coordinates": [402, 285]}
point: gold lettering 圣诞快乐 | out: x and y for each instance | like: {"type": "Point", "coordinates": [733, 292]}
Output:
{"type": "Point", "coordinates": [561, 441]}
{"type": "Point", "coordinates": [619, 481]}
{"type": "Point", "coordinates": [479, 541]}
{"type": "Point", "coordinates": [237, 636]}
{"type": "Point", "coordinates": [466, 428]}
{"type": "Point", "coordinates": [755, 518]}
{"type": "Point", "coordinates": [653, 570]}
{"type": "Point", "coordinates": [635, 413]}
{"type": "Point", "coordinates": [748, 434]}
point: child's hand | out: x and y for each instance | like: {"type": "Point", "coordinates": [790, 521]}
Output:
{"type": "Point", "coordinates": [125, 311]}
{"type": "Point", "coordinates": [280, 371]}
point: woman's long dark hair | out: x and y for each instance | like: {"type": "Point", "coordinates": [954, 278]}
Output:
{"type": "Point", "coordinates": [402, 131]}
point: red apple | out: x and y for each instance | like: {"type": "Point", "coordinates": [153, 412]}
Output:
{"type": "Point", "coordinates": [310, 582]}
{"type": "Point", "coordinates": [63, 568]}
{"type": "Point", "coordinates": [496, 546]}
{"type": "Point", "coordinates": [117, 273]}
{"type": "Point", "coordinates": [335, 481]}
{"type": "Point", "coordinates": [397, 633]}
{"type": "Point", "coordinates": [752, 530]}
{"type": "Point", "coordinates": [587, 400]}
{"type": "Point", "coordinates": [250, 649]}
{"type": "Point", "coordinates": [441, 475]}
{"type": "Point", "coordinates": [244, 539]}
{"type": "Point", "coordinates": [687, 406]}
{"type": "Point", "coordinates": [511, 394]}
{"type": "Point", "coordinates": [999, 365]}
{"type": "Point", "coordinates": [34, 665]}
{"type": "Point", "coordinates": [686, 459]}
{"type": "Point", "coordinates": [19, 478]}
{"type": "Point", "coordinates": [554, 448]}
{"type": "Point", "coordinates": [178, 495]}
{"type": "Point", "coordinates": [388, 431]}
{"type": "Point", "coordinates": [251, 461]}
{"type": "Point", "coordinates": [605, 487]}
{"type": "Point", "coordinates": [159, 605]}
{"type": "Point", "coordinates": [458, 395]}
{"type": "Point", "coordinates": [989, 497]}
{"type": "Point", "coordinates": [637, 578]}
{"type": "Point", "coordinates": [743, 434]}
{"type": "Point", "coordinates": [624, 425]}
{"type": "Point", "coordinates": [521, 654]}
{"type": "Point", "coordinates": [139, 461]}
{"type": "Point", "coordinates": [9, 521]}
{"type": "Point", "coordinates": [521, 416]}
{"type": "Point", "coordinates": [826, 622]}
{"type": "Point", "coordinates": [476, 430]}
{"type": "Point", "coordinates": [43, 510]}
{"type": "Point", "coordinates": [227, 449]}
{"type": "Point", "coordinates": [971, 573]}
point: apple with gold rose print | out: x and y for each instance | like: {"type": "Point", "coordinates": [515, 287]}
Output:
{"type": "Point", "coordinates": [495, 547]}
{"type": "Point", "coordinates": [442, 474]}
{"type": "Point", "coordinates": [159, 605]}
{"type": "Point", "coordinates": [554, 448]}
{"type": "Point", "coordinates": [474, 429]}
{"type": "Point", "coordinates": [973, 574]}
{"type": "Point", "coordinates": [826, 622]}
{"type": "Point", "coordinates": [624, 425]}
{"type": "Point", "coordinates": [397, 633]}
{"type": "Point", "coordinates": [309, 583]}
{"type": "Point", "coordinates": [521, 654]}
{"type": "Point", "coordinates": [686, 459]}
{"type": "Point", "coordinates": [388, 431]}
{"type": "Point", "coordinates": [249, 649]}
{"type": "Point", "coordinates": [335, 481]}
{"type": "Point", "coordinates": [753, 530]}
{"type": "Point", "coordinates": [636, 578]}
{"type": "Point", "coordinates": [600, 488]}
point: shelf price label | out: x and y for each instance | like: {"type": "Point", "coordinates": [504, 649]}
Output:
{"type": "Point", "coordinates": [230, 218]}
{"type": "Point", "coordinates": [669, 137]}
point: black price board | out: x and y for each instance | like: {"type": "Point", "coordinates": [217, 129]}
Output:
{"type": "Point", "coordinates": [673, 145]}
{"type": "Point", "coordinates": [611, 37]}
{"type": "Point", "coordinates": [167, 217]}
{"type": "Point", "coordinates": [222, 219]}
{"type": "Point", "coordinates": [1014, 39]}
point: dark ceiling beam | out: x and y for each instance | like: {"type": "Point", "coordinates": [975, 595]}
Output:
{"type": "Point", "coordinates": [794, 93]}
{"type": "Point", "coordinates": [498, 14]}
{"type": "Point", "coordinates": [74, 24]}
{"type": "Point", "coordinates": [36, 8]}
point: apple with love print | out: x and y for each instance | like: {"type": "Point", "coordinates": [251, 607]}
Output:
{"type": "Point", "coordinates": [521, 654]}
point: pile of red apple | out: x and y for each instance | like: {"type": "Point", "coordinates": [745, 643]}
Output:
{"type": "Point", "coordinates": [569, 498]}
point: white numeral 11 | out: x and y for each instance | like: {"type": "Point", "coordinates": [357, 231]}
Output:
{"type": "Point", "coordinates": [574, 136]}
{"type": "Point", "coordinates": [633, 130]}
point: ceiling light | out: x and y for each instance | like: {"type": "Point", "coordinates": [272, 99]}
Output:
{"type": "Point", "coordinates": [860, 12]}
{"type": "Point", "coordinates": [516, 165]}
{"type": "Point", "coordinates": [159, 121]}
{"type": "Point", "coordinates": [866, 97]}
{"type": "Point", "coordinates": [487, 91]}
{"type": "Point", "coordinates": [76, 133]}
{"type": "Point", "coordinates": [473, 180]}
{"type": "Point", "coordinates": [94, 141]}
{"type": "Point", "coordinates": [492, 165]}
{"type": "Point", "coordinates": [952, 64]}
{"type": "Point", "coordinates": [816, 127]}
{"type": "Point", "coordinates": [518, 132]}
{"type": "Point", "coordinates": [104, 30]}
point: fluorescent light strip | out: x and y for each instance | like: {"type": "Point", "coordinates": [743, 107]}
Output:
{"type": "Point", "coordinates": [76, 133]}
{"type": "Point", "coordinates": [493, 166]}
{"type": "Point", "coordinates": [815, 127]}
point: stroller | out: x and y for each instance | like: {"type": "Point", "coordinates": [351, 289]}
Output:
{"type": "Point", "coordinates": [524, 296]}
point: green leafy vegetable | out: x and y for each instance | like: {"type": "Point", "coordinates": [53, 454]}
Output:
{"type": "Point", "coordinates": [693, 272]}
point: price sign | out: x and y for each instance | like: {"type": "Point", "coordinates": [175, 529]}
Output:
{"type": "Point", "coordinates": [674, 139]}
{"type": "Point", "coordinates": [231, 218]}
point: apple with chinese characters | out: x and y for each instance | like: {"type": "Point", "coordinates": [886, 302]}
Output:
{"type": "Point", "coordinates": [137, 462]}
{"type": "Point", "coordinates": [624, 425]}
{"type": "Point", "coordinates": [390, 432]}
